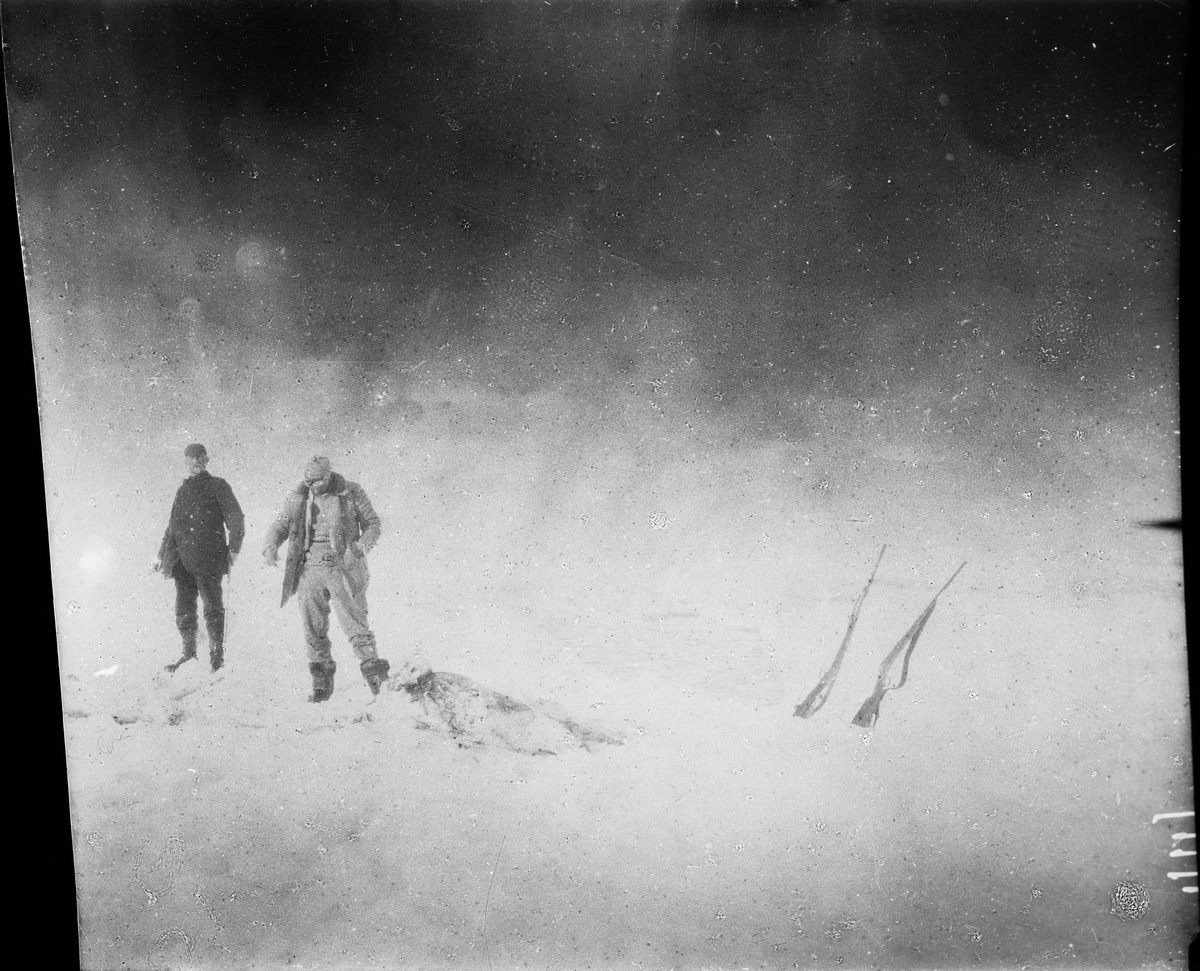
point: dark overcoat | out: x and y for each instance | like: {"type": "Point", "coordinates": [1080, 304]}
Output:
{"type": "Point", "coordinates": [204, 508]}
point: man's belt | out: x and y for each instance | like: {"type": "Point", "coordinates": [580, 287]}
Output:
{"type": "Point", "coordinates": [321, 552]}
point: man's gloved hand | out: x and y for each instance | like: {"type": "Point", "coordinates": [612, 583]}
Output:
{"type": "Point", "coordinates": [156, 566]}
{"type": "Point", "coordinates": [270, 557]}
{"type": "Point", "coordinates": [354, 553]}
{"type": "Point", "coordinates": [232, 558]}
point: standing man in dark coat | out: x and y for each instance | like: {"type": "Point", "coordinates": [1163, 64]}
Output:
{"type": "Point", "coordinates": [330, 527]}
{"type": "Point", "coordinates": [196, 554]}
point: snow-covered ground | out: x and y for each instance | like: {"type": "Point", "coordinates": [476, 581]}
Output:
{"type": "Point", "coordinates": [638, 419]}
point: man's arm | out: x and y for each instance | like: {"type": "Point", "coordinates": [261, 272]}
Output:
{"type": "Point", "coordinates": [235, 520]}
{"type": "Point", "coordinates": [278, 531]}
{"type": "Point", "coordinates": [368, 520]}
{"type": "Point", "coordinates": [168, 541]}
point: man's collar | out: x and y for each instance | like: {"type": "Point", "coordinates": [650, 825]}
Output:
{"type": "Point", "coordinates": [337, 485]}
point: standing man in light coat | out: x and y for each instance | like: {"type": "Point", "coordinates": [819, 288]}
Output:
{"type": "Point", "coordinates": [330, 527]}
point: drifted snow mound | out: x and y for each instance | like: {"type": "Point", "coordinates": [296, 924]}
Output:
{"type": "Point", "coordinates": [194, 694]}
{"type": "Point", "coordinates": [450, 705]}
{"type": "Point", "coordinates": [477, 716]}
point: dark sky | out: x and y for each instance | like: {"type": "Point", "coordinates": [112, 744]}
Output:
{"type": "Point", "coordinates": [414, 160]}
{"type": "Point", "coordinates": [555, 100]}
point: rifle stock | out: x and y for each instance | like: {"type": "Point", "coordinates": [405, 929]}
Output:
{"type": "Point", "coordinates": [820, 693]}
{"type": "Point", "coordinates": [868, 713]}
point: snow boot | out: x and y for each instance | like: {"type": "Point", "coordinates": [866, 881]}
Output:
{"type": "Point", "coordinates": [216, 652]}
{"type": "Point", "coordinates": [375, 671]}
{"type": "Point", "coordinates": [322, 676]}
{"type": "Point", "coordinates": [189, 650]}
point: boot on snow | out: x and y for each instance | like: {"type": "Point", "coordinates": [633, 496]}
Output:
{"type": "Point", "coordinates": [375, 671]}
{"type": "Point", "coordinates": [189, 651]}
{"type": "Point", "coordinates": [322, 678]}
{"type": "Point", "coordinates": [216, 652]}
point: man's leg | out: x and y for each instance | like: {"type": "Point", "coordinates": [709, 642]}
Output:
{"type": "Point", "coordinates": [349, 599]}
{"type": "Point", "coordinates": [313, 594]}
{"type": "Point", "coordinates": [185, 614]}
{"type": "Point", "coordinates": [214, 617]}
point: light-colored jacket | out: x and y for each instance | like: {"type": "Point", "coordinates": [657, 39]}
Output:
{"type": "Point", "coordinates": [352, 519]}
